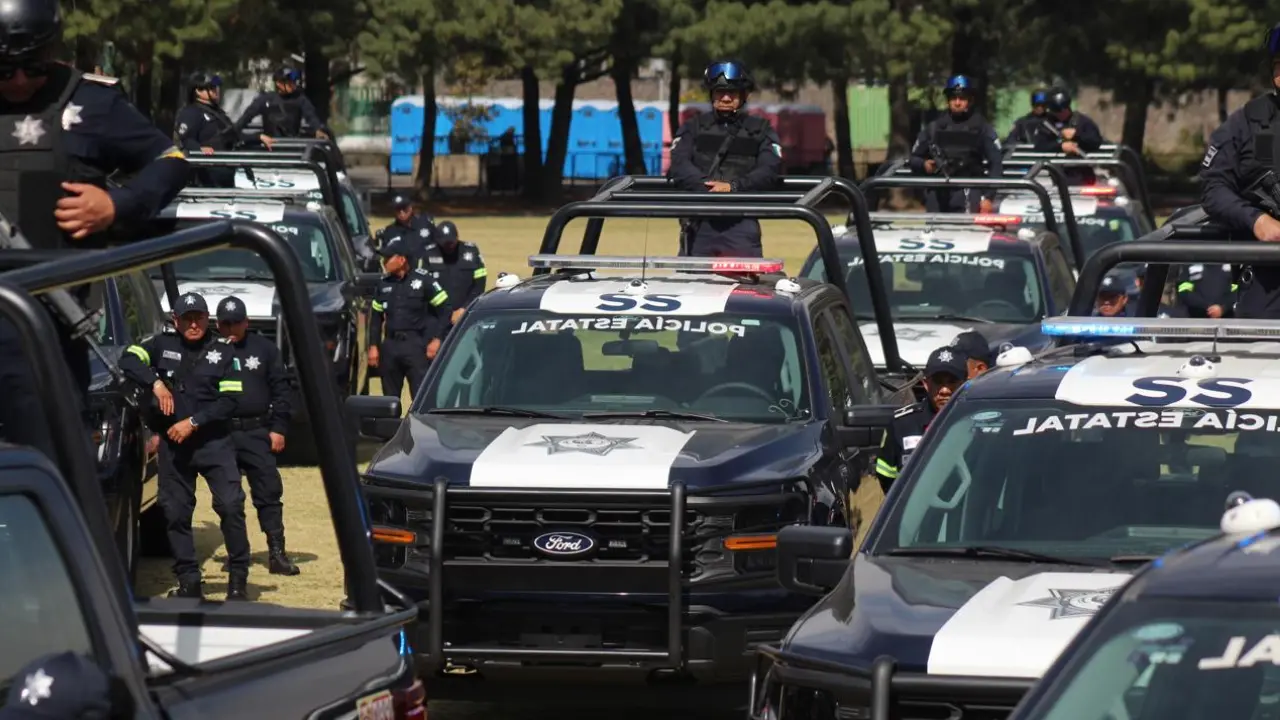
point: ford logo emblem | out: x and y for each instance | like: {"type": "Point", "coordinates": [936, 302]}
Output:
{"type": "Point", "coordinates": [564, 544]}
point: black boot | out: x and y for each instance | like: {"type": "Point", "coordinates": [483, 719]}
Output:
{"type": "Point", "coordinates": [188, 588]}
{"type": "Point", "coordinates": [237, 586]}
{"type": "Point", "coordinates": [277, 560]}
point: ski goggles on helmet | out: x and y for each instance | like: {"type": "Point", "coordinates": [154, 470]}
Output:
{"type": "Point", "coordinates": [1271, 42]}
{"type": "Point", "coordinates": [730, 71]}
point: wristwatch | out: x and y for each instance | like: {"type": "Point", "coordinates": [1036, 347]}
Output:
{"type": "Point", "coordinates": [193, 422]}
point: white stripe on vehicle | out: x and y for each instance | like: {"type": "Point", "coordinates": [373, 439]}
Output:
{"type": "Point", "coordinates": [657, 298]}
{"type": "Point", "coordinates": [915, 340]}
{"type": "Point", "coordinates": [566, 456]}
{"type": "Point", "coordinates": [1152, 381]}
{"type": "Point", "coordinates": [258, 298]}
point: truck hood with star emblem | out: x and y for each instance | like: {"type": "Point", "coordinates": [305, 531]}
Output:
{"type": "Point", "coordinates": [986, 618]}
{"type": "Point", "coordinates": [613, 455]}
{"type": "Point", "coordinates": [917, 339]}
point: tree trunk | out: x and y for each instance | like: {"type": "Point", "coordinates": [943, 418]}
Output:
{"type": "Point", "coordinates": [316, 71]}
{"type": "Point", "coordinates": [532, 180]}
{"type": "Point", "coordinates": [1135, 115]}
{"type": "Point", "coordinates": [673, 95]}
{"type": "Point", "coordinates": [844, 133]}
{"type": "Point", "coordinates": [632, 149]}
{"type": "Point", "coordinates": [1222, 104]}
{"type": "Point", "coordinates": [170, 95]}
{"type": "Point", "coordinates": [142, 91]}
{"type": "Point", "coordinates": [427, 154]}
{"type": "Point", "coordinates": [558, 142]}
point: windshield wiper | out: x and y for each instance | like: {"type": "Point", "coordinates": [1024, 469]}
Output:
{"type": "Point", "coordinates": [664, 414]}
{"type": "Point", "coordinates": [1136, 559]}
{"type": "Point", "coordinates": [961, 318]}
{"type": "Point", "coordinates": [495, 410]}
{"type": "Point", "coordinates": [990, 551]}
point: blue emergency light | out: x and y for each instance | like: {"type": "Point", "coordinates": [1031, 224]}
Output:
{"type": "Point", "coordinates": [1182, 328]}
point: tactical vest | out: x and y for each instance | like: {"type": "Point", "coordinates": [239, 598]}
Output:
{"type": "Point", "coordinates": [1260, 113]}
{"type": "Point", "coordinates": [961, 143]}
{"type": "Point", "coordinates": [284, 118]}
{"type": "Point", "coordinates": [225, 139]}
{"type": "Point", "coordinates": [37, 156]}
{"type": "Point", "coordinates": [738, 142]}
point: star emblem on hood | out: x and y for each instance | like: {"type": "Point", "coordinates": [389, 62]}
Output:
{"type": "Point", "coordinates": [1072, 603]}
{"type": "Point", "coordinates": [592, 443]}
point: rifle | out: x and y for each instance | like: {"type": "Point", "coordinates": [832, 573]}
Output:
{"type": "Point", "coordinates": [82, 323]}
{"type": "Point", "coordinates": [940, 158]}
{"type": "Point", "coordinates": [1058, 134]}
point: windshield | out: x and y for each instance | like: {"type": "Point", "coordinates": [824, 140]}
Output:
{"type": "Point", "coordinates": [996, 287]}
{"type": "Point", "coordinates": [305, 233]}
{"type": "Point", "coordinates": [1081, 482]}
{"type": "Point", "coordinates": [355, 216]}
{"type": "Point", "coordinates": [574, 364]}
{"type": "Point", "coordinates": [1107, 226]}
{"type": "Point", "coordinates": [1175, 659]}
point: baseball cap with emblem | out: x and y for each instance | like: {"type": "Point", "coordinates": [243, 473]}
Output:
{"type": "Point", "coordinates": [231, 310]}
{"type": "Point", "coordinates": [974, 344]}
{"type": "Point", "coordinates": [947, 360]}
{"type": "Point", "coordinates": [402, 201]}
{"type": "Point", "coordinates": [192, 302]}
{"type": "Point", "coordinates": [448, 233]}
{"type": "Point", "coordinates": [391, 247]}
{"type": "Point", "coordinates": [1117, 282]}
{"type": "Point", "coordinates": [65, 685]}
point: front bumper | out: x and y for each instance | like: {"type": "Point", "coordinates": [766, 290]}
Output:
{"type": "Point", "coordinates": [665, 604]}
{"type": "Point", "coordinates": [785, 686]}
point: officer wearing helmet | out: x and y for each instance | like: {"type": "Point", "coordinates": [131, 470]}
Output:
{"type": "Point", "coordinates": [955, 145]}
{"type": "Point", "coordinates": [203, 127]}
{"type": "Point", "coordinates": [725, 150]}
{"type": "Point", "coordinates": [1063, 130]}
{"type": "Point", "coordinates": [62, 133]}
{"type": "Point", "coordinates": [1233, 178]}
{"type": "Point", "coordinates": [283, 110]}
{"type": "Point", "coordinates": [1022, 127]}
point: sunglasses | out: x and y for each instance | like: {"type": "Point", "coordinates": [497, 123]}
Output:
{"type": "Point", "coordinates": [32, 68]}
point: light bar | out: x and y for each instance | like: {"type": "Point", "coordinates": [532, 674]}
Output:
{"type": "Point", "coordinates": [1185, 328]}
{"type": "Point", "coordinates": [926, 218]}
{"type": "Point", "coordinates": [1097, 191]}
{"type": "Point", "coordinates": [687, 264]}
{"type": "Point", "coordinates": [997, 219]}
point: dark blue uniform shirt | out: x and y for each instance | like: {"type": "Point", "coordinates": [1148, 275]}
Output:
{"type": "Point", "coordinates": [200, 125]}
{"type": "Point", "coordinates": [267, 102]}
{"type": "Point", "coordinates": [266, 386]}
{"type": "Point", "coordinates": [205, 384]}
{"type": "Point", "coordinates": [413, 303]}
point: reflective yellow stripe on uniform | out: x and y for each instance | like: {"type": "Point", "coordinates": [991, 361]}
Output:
{"type": "Point", "coordinates": [173, 153]}
{"type": "Point", "coordinates": [479, 273]}
{"type": "Point", "coordinates": [230, 386]}
{"type": "Point", "coordinates": [885, 469]}
{"type": "Point", "coordinates": [378, 307]}
{"type": "Point", "coordinates": [1186, 287]}
{"type": "Point", "coordinates": [1235, 287]}
{"type": "Point", "coordinates": [139, 352]}
{"type": "Point", "coordinates": [439, 298]}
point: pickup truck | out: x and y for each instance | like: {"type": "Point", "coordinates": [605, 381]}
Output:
{"type": "Point", "coordinates": [64, 588]}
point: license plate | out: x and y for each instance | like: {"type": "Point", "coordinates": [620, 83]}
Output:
{"type": "Point", "coordinates": [379, 706]}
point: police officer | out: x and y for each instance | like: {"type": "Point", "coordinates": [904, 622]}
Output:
{"type": "Point", "coordinates": [946, 370]}
{"type": "Point", "coordinates": [61, 686]}
{"type": "Point", "coordinates": [415, 312]}
{"type": "Point", "coordinates": [416, 228]}
{"type": "Point", "coordinates": [62, 132]}
{"type": "Point", "coordinates": [955, 144]}
{"type": "Point", "coordinates": [977, 349]}
{"type": "Point", "coordinates": [1233, 175]}
{"type": "Point", "coordinates": [259, 426]}
{"type": "Point", "coordinates": [197, 390]}
{"type": "Point", "coordinates": [458, 267]}
{"type": "Point", "coordinates": [1114, 293]}
{"type": "Point", "coordinates": [204, 128]}
{"type": "Point", "coordinates": [1062, 130]}
{"type": "Point", "coordinates": [1020, 134]}
{"type": "Point", "coordinates": [283, 110]}
{"type": "Point", "coordinates": [725, 150]}
{"type": "Point", "coordinates": [1207, 291]}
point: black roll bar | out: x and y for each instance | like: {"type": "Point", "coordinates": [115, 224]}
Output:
{"type": "Point", "coordinates": [337, 462]}
{"type": "Point", "coordinates": [799, 191]}
{"type": "Point", "coordinates": [1024, 183]}
{"type": "Point", "coordinates": [1131, 178]}
{"type": "Point", "coordinates": [328, 148]}
{"type": "Point", "coordinates": [1108, 155]}
{"type": "Point", "coordinates": [614, 202]}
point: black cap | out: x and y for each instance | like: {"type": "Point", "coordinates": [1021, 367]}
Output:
{"type": "Point", "coordinates": [402, 201]}
{"type": "Point", "coordinates": [28, 26]}
{"type": "Point", "coordinates": [1122, 281]}
{"type": "Point", "coordinates": [446, 233]}
{"type": "Point", "coordinates": [947, 359]}
{"type": "Point", "coordinates": [191, 302]}
{"type": "Point", "coordinates": [231, 310]}
{"type": "Point", "coordinates": [391, 247]}
{"type": "Point", "coordinates": [974, 345]}
{"type": "Point", "coordinates": [65, 685]}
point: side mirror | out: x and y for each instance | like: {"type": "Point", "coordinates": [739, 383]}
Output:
{"type": "Point", "coordinates": [377, 417]}
{"type": "Point", "coordinates": [864, 425]}
{"type": "Point", "coordinates": [812, 559]}
{"type": "Point", "coordinates": [366, 283]}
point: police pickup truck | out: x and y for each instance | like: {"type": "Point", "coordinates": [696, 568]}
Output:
{"type": "Point", "coordinates": [1102, 216]}
{"type": "Point", "coordinates": [1036, 492]}
{"type": "Point", "coordinates": [949, 273]}
{"type": "Point", "coordinates": [339, 292]}
{"type": "Point", "coordinates": [589, 485]}
{"type": "Point", "coordinates": [63, 588]}
{"type": "Point", "coordinates": [1193, 635]}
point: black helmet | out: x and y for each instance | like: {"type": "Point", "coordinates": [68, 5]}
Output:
{"type": "Point", "coordinates": [28, 26]}
{"type": "Point", "coordinates": [204, 81]}
{"type": "Point", "coordinates": [727, 75]}
{"type": "Point", "coordinates": [1058, 100]}
{"type": "Point", "coordinates": [1271, 42]}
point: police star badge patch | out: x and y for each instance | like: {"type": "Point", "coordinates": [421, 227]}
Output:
{"type": "Point", "coordinates": [71, 115]}
{"type": "Point", "coordinates": [1064, 604]}
{"type": "Point", "coordinates": [29, 130]}
{"type": "Point", "coordinates": [592, 443]}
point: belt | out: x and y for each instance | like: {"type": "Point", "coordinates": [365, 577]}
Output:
{"type": "Point", "coordinates": [405, 334]}
{"type": "Point", "coordinates": [249, 423]}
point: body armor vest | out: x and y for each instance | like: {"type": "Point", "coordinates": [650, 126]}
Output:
{"type": "Point", "coordinates": [1260, 113]}
{"type": "Point", "coordinates": [961, 143]}
{"type": "Point", "coordinates": [284, 118]}
{"type": "Point", "coordinates": [225, 138]}
{"type": "Point", "coordinates": [737, 141]}
{"type": "Point", "coordinates": [37, 156]}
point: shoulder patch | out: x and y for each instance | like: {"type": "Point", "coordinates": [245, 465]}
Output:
{"type": "Point", "coordinates": [102, 79]}
{"type": "Point", "coordinates": [1208, 156]}
{"type": "Point", "coordinates": [903, 412]}
{"type": "Point", "coordinates": [421, 271]}
{"type": "Point", "coordinates": [224, 341]}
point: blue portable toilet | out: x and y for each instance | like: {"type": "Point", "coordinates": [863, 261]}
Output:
{"type": "Point", "coordinates": [406, 132]}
